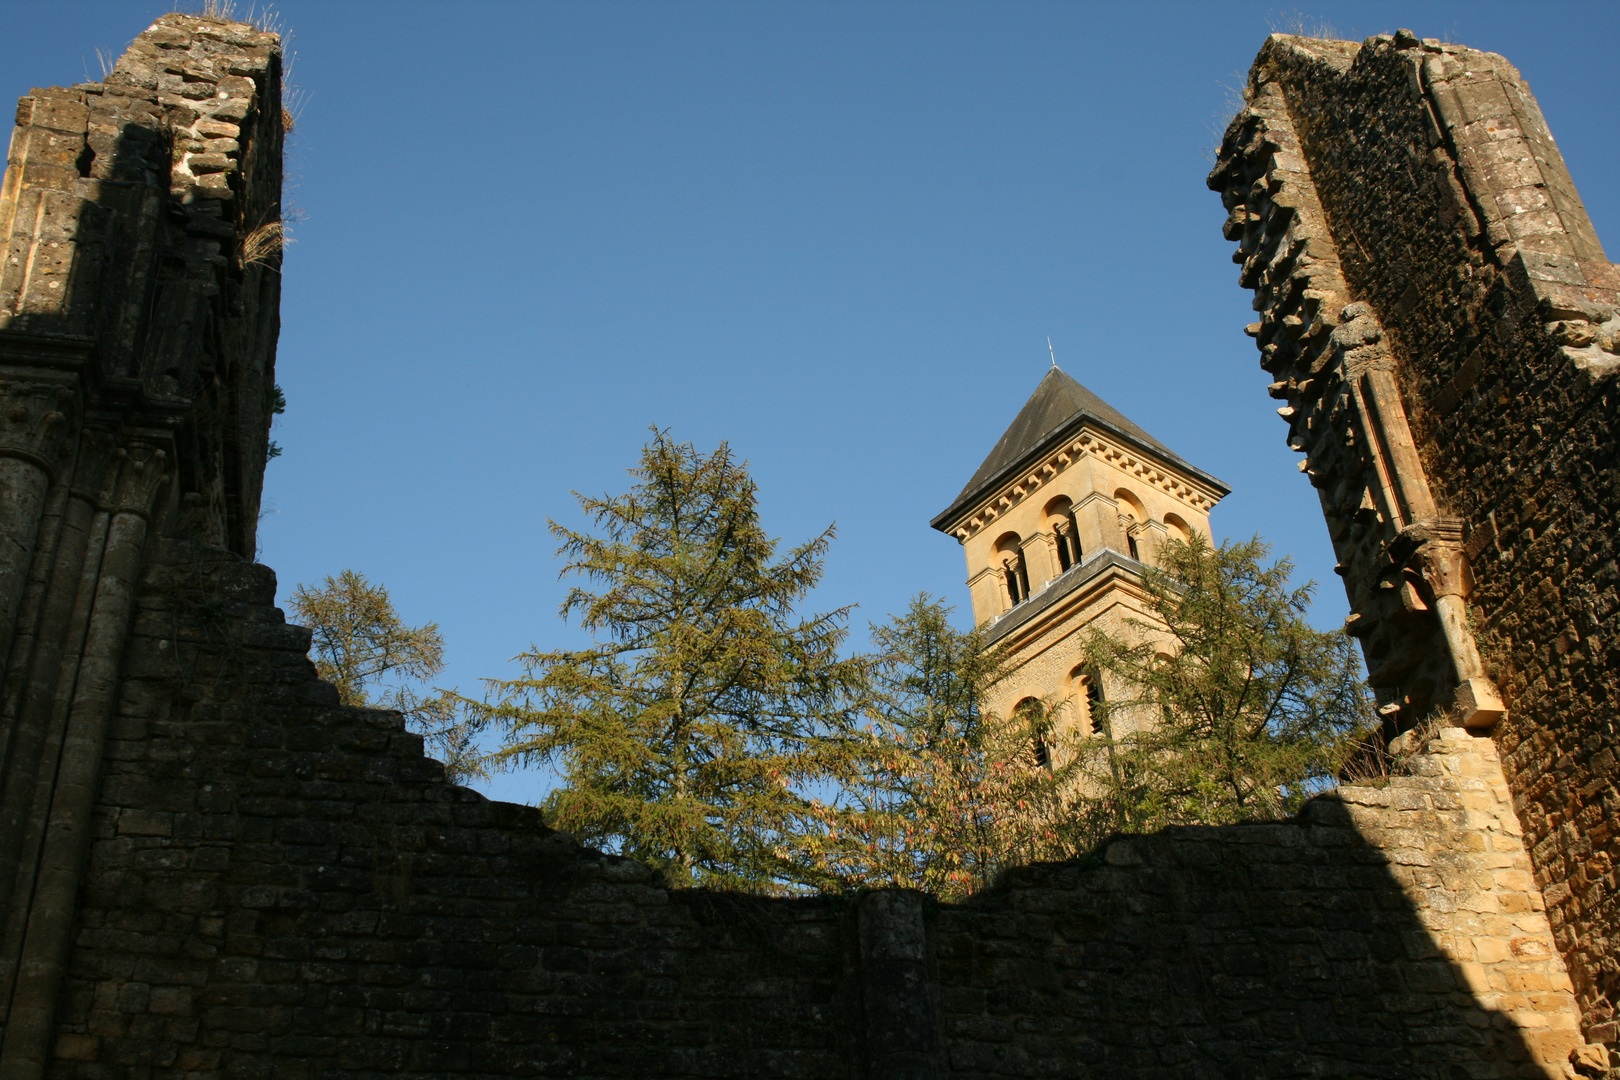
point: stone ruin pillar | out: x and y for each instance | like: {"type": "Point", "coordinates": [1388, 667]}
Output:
{"type": "Point", "coordinates": [140, 218]}
{"type": "Point", "coordinates": [1439, 322]}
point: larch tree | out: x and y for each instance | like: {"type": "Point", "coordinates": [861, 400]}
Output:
{"type": "Point", "coordinates": [1225, 705]}
{"type": "Point", "coordinates": [1252, 710]}
{"type": "Point", "coordinates": [375, 660]}
{"type": "Point", "coordinates": [694, 731]}
{"type": "Point", "coordinates": [947, 795]}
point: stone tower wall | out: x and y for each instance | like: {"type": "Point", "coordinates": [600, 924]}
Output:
{"type": "Point", "coordinates": [1440, 321]}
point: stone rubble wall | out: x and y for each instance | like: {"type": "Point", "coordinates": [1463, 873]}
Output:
{"type": "Point", "coordinates": [279, 885]}
{"type": "Point", "coordinates": [1418, 252]}
{"type": "Point", "coordinates": [139, 306]}
{"type": "Point", "coordinates": [1391, 931]}
{"type": "Point", "coordinates": [283, 886]}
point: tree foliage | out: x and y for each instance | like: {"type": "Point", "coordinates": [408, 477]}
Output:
{"type": "Point", "coordinates": [1226, 705]}
{"type": "Point", "coordinates": [947, 794]}
{"type": "Point", "coordinates": [360, 641]}
{"type": "Point", "coordinates": [711, 731]}
{"type": "Point", "coordinates": [690, 733]}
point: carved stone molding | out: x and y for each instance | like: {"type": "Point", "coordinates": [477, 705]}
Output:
{"type": "Point", "coordinates": [32, 422]}
{"type": "Point", "coordinates": [143, 471]}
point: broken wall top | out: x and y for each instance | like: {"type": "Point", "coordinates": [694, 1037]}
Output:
{"type": "Point", "coordinates": [141, 223]}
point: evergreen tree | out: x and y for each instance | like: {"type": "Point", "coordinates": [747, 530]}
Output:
{"type": "Point", "coordinates": [691, 732]}
{"type": "Point", "coordinates": [1252, 709]}
{"type": "Point", "coordinates": [947, 795]}
{"type": "Point", "coordinates": [359, 639]}
{"type": "Point", "coordinates": [1228, 705]}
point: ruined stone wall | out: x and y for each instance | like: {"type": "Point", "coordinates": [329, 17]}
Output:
{"type": "Point", "coordinates": [1390, 931]}
{"type": "Point", "coordinates": [279, 885]}
{"type": "Point", "coordinates": [209, 868]}
{"type": "Point", "coordinates": [139, 294]}
{"type": "Point", "coordinates": [1440, 320]}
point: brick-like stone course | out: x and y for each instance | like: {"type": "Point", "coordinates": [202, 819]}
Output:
{"type": "Point", "coordinates": [279, 885]}
{"type": "Point", "coordinates": [1390, 931]}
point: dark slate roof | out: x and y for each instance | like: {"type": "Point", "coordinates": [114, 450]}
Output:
{"type": "Point", "coordinates": [1058, 407]}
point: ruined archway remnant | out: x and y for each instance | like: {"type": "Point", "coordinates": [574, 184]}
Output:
{"type": "Point", "coordinates": [1439, 321]}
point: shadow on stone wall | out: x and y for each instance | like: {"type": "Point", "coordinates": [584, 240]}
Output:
{"type": "Point", "coordinates": [279, 885]}
{"type": "Point", "coordinates": [1293, 949]}
{"type": "Point", "coordinates": [1435, 306]}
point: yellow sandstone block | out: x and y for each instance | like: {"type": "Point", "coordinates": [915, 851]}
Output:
{"type": "Point", "coordinates": [1475, 978]}
{"type": "Point", "coordinates": [1515, 880]}
{"type": "Point", "coordinates": [1514, 903]}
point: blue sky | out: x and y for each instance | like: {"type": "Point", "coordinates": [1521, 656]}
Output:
{"type": "Point", "coordinates": [835, 234]}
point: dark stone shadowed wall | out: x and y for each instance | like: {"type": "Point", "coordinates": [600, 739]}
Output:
{"type": "Point", "coordinates": [282, 886]}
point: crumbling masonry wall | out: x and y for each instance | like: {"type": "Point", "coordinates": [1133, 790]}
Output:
{"type": "Point", "coordinates": [209, 868]}
{"type": "Point", "coordinates": [1439, 318]}
{"type": "Point", "coordinates": [282, 886]}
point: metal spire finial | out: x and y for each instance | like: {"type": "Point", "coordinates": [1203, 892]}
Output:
{"type": "Point", "coordinates": [1050, 350]}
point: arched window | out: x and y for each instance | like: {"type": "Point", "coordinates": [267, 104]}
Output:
{"type": "Point", "coordinates": [1132, 514]}
{"type": "Point", "coordinates": [1177, 528]}
{"type": "Point", "coordinates": [1130, 505]}
{"type": "Point", "coordinates": [1166, 714]}
{"type": "Point", "coordinates": [1010, 554]}
{"type": "Point", "coordinates": [1085, 690]}
{"type": "Point", "coordinates": [1030, 713]}
{"type": "Point", "coordinates": [1060, 519]}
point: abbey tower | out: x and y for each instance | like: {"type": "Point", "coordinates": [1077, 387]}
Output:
{"type": "Point", "coordinates": [1057, 525]}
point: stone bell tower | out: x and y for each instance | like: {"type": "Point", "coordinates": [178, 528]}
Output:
{"type": "Point", "coordinates": [1057, 525]}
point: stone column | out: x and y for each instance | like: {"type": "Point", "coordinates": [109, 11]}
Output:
{"type": "Point", "coordinates": [1150, 537]}
{"type": "Point", "coordinates": [989, 592]}
{"type": "Point", "coordinates": [40, 676]}
{"type": "Point", "coordinates": [141, 474]}
{"type": "Point", "coordinates": [1433, 543]}
{"type": "Point", "coordinates": [1040, 560]}
{"type": "Point", "coordinates": [31, 426]}
{"type": "Point", "coordinates": [1097, 517]}
{"type": "Point", "coordinates": [901, 1037]}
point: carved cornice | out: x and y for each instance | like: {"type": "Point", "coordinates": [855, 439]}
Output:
{"type": "Point", "coordinates": [51, 352]}
{"type": "Point", "coordinates": [988, 571]}
{"type": "Point", "coordinates": [1053, 604]}
{"type": "Point", "coordinates": [1115, 452]}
